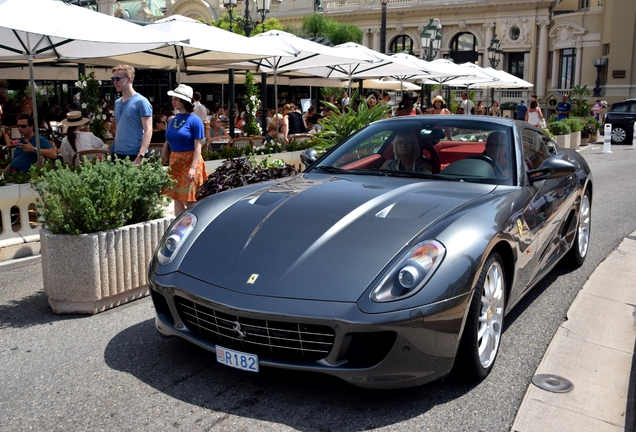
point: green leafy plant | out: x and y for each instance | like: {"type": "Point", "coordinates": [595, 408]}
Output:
{"type": "Point", "coordinates": [559, 128]}
{"type": "Point", "coordinates": [590, 127]}
{"type": "Point", "coordinates": [575, 124]}
{"type": "Point", "coordinates": [552, 119]}
{"type": "Point", "coordinates": [91, 103]}
{"type": "Point", "coordinates": [342, 123]}
{"type": "Point", "coordinates": [100, 196]}
{"type": "Point", "coordinates": [252, 94]}
{"type": "Point", "coordinates": [241, 172]}
{"type": "Point", "coordinates": [579, 103]}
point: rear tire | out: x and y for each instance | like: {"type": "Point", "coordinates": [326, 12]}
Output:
{"type": "Point", "coordinates": [619, 134]}
{"type": "Point", "coordinates": [480, 341]}
{"type": "Point", "coordinates": [579, 250]}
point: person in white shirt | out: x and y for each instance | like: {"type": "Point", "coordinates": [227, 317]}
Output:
{"type": "Point", "coordinates": [467, 104]}
{"type": "Point", "coordinates": [345, 99]}
{"type": "Point", "coordinates": [78, 137]}
{"type": "Point", "coordinates": [199, 109]}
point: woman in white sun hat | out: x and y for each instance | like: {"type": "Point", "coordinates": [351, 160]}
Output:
{"type": "Point", "coordinates": [78, 136]}
{"type": "Point", "coordinates": [184, 137]}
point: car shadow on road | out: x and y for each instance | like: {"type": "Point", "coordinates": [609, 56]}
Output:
{"type": "Point", "coordinates": [303, 401]}
{"type": "Point", "coordinates": [29, 311]}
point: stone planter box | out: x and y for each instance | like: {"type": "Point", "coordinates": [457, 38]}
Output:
{"type": "Point", "coordinates": [563, 141]}
{"type": "Point", "coordinates": [89, 273]}
{"type": "Point", "coordinates": [575, 139]}
{"type": "Point", "coordinates": [20, 196]}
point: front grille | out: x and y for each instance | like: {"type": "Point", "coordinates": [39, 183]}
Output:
{"type": "Point", "coordinates": [270, 338]}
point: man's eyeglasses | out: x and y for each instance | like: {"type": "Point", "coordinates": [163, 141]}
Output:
{"type": "Point", "coordinates": [22, 126]}
{"type": "Point", "coordinates": [113, 79]}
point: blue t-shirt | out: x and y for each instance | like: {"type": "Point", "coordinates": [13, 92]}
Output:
{"type": "Point", "coordinates": [23, 160]}
{"type": "Point", "coordinates": [182, 130]}
{"type": "Point", "coordinates": [130, 131]}
{"type": "Point", "coordinates": [521, 111]}
{"type": "Point", "coordinates": [563, 107]}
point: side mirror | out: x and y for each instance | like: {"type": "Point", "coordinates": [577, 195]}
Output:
{"type": "Point", "coordinates": [551, 168]}
{"type": "Point", "coordinates": [308, 157]}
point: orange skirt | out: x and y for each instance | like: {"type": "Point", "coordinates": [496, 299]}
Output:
{"type": "Point", "coordinates": [184, 190]}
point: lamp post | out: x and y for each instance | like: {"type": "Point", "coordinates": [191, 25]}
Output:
{"type": "Point", "coordinates": [248, 24]}
{"type": "Point", "coordinates": [431, 39]}
{"type": "Point", "coordinates": [383, 27]}
{"type": "Point", "coordinates": [494, 52]}
{"type": "Point", "coordinates": [599, 64]}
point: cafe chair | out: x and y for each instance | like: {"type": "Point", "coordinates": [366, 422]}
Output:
{"type": "Point", "coordinates": [240, 142]}
{"type": "Point", "coordinates": [155, 149]}
{"type": "Point", "coordinates": [91, 155]}
{"type": "Point", "coordinates": [258, 141]}
{"type": "Point", "coordinates": [298, 138]}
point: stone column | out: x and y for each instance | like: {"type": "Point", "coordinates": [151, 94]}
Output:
{"type": "Point", "coordinates": [369, 39]}
{"type": "Point", "coordinates": [555, 68]}
{"type": "Point", "coordinates": [106, 7]}
{"type": "Point", "coordinates": [490, 27]}
{"type": "Point", "coordinates": [376, 40]}
{"type": "Point", "coordinates": [579, 62]}
{"type": "Point", "coordinates": [542, 58]}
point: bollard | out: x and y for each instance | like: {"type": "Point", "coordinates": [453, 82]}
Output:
{"type": "Point", "coordinates": [634, 135]}
{"type": "Point", "coordinates": [607, 139]}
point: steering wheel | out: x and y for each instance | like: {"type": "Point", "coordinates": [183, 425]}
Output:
{"type": "Point", "coordinates": [496, 168]}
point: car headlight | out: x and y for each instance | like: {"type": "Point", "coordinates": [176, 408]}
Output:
{"type": "Point", "coordinates": [175, 237]}
{"type": "Point", "coordinates": [410, 273]}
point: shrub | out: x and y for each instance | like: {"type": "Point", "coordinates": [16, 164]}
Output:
{"type": "Point", "coordinates": [100, 196]}
{"type": "Point", "coordinates": [241, 172]}
{"type": "Point", "coordinates": [575, 124]}
{"type": "Point", "coordinates": [588, 129]}
{"type": "Point", "coordinates": [552, 119]}
{"type": "Point", "coordinates": [559, 128]}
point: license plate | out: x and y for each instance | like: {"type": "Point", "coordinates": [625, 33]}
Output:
{"type": "Point", "coordinates": [237, 359]}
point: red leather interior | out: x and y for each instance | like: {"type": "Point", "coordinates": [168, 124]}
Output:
{"type": "Point", "coordinates": [452, 151]}
{"type": "Point", "coordinates": [373, 161]}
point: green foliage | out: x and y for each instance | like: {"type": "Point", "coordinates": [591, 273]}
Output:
{"type": "Point", "coordinates": [91, 103]}
{"type": "Point", "coordinates": [224, 23]}
{"type": "Point", "coordinates": [559, 128]}
{"type": "Point", "coordinates": [252, 96]}
{"type": "Point", "coordinates": [340, 124]}
{"type": "Point", "coordinates": [327, 92]}
{"type": "Point", "coordinates": [575, 124]}
{"type": "Point", "coordinates": [579, 103]}
{"type": "Point", "coordinates": [273, 148]}
{"type": "Point", "coordinates": [338, 33]}
{"type": "Point", "coordinates": [552, 119]}
{"type": "Point", "coordinates": [100, 196]}
{"type": "Point", "coordinates": [590, 127]}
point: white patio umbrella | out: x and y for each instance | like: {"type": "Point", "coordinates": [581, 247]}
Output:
{"type": "Point", "coordinates": [50, 29]}
{"type": "Point", "coordinates": [389, 84]}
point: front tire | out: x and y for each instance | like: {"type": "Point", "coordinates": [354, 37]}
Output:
{"type": "Point", "coordinates": [480, 341]}
{"type": "Point", "coordinates": [619, 135]}
{"type": "Point", "coordinates": [578, 252]}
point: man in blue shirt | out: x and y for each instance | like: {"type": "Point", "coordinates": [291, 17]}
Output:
{"type": "Point", "coordinates": [133, 117]}
{"type": "Point", "coordinates": [520, 111]}
{"type": "Point", "coordinates": [26, 153]}
{"type": "Point", "coordinates": [564, 108]}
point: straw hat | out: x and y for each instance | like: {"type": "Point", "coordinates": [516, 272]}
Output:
{"type": "Point", "coordinates": [182, 92]}
{"type": "Point", "coordinates": [604, 104]}
{"type": "Point", "coordinates": [74, 118]}
{"type": "Point", "coordinates": [438, 98]}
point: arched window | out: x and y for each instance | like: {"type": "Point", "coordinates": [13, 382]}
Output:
{"type": "Point", "coordinates": [400, 44]}
{"type": "Point", "coordinates": [463, 48]}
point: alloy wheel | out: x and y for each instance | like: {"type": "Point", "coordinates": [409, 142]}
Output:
{"type": "Point", "coordinates": [491, 315]}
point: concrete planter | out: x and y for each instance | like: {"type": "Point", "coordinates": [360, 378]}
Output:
{"type": "Point", "coordinates": [20, 196]}
{"type": "Point", "coordinates": [563, 141]}
{"type": "Point", "coordinates": [291, 158]}
{"type": "Point", "coordinates": [89, 273]}
{"type": "Point", "coordinates": [575, 139]}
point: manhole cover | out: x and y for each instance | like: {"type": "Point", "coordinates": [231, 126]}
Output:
{"type": "Point", "coordinates": [552, 383]}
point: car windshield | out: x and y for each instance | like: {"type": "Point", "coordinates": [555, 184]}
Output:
{"type": "Point", "coordinates": [434, 147]}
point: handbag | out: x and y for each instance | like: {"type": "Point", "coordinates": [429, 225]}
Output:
{"type": "Point", "coordinates": [542, 123]}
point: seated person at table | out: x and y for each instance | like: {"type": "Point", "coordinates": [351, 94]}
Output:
{"type": "Point", "coordinates": [497, 150]}
{"type": "Point", "coordinates": [78, 137]}
{"type": "Point", "coordinates": [407, 154]}
{"type": "Point", "coordinates": [215, 132]}
{"type": "Point", "coordinates": [158, 129]}
{"type": "Point", "coordinates": [270, 138]}
{"type": "Point", "coordinates": [26, 153]}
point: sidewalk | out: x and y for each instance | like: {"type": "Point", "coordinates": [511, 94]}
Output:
{"type": "Point", "coordinates": [594, 350]}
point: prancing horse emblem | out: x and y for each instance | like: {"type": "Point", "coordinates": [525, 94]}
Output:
{"type": "Point", "coordinates": [237, 329]}
{"type": "Point", "coordinates": [252, 279]}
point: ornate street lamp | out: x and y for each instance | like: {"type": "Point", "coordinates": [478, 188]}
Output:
{"type": "Point", "coordinates": [599, 64]}
{"type": "Point", "coordinates": [247, 23]}
{"type": "Point", "coordinates": [494, 52]}
{"type": "Point", "coordinates": [383, 27]}
{"type": "Point", "coordinates": [431, 38]}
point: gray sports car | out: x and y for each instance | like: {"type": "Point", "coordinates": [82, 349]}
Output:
{"type": "Point", "coordinates": [391, 260]}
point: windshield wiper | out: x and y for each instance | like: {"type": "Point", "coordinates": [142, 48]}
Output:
{"type": "Point", "coordinates": [331, 169]}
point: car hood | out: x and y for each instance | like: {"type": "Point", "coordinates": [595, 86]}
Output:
{"type": "Point", "coordinates": [317, 236]}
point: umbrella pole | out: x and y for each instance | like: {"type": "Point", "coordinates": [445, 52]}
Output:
{"type": "Point", "coordinates": [178, 73]}
{"type": "Point", "coordinates": [36, 127]}
{"type": "Point", "coordinates": [276, 104]}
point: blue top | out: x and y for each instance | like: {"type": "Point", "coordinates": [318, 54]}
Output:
{"type": "Point", "coordinates": [130, 131]}
{"type": "Point", "coordinates": [182, 130]}
{"type": "Point", "coordinates": [221, 132]}
{"type": "Point", "coordinates": [561, 108]}
{"type": "Point", "coordinates": [23, 160]}
{"type": "Point", "coordinates": [521, 111]}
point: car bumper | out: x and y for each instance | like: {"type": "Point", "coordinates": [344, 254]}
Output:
{"type": "Point", "coordinates": [385, 350]}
